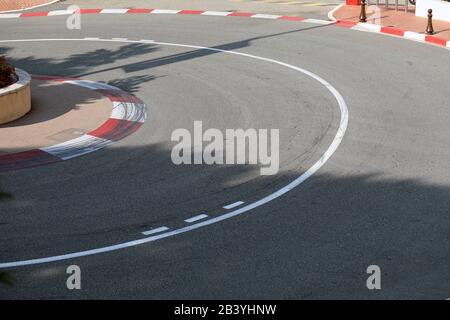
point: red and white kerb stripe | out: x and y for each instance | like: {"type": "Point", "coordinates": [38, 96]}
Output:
{"type": "Point", "coordinates": [128, 115]}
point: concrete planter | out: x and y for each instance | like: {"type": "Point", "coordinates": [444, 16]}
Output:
{"type": "Point", "coordinates": [15, 100]}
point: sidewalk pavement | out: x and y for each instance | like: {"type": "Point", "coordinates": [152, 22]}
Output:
{"type": "Point", "coordinates": [406, 21]}
{"type": "Point", "coordinates": [16, 5]}
{"type": "Point", "coordinates": [54, 120]}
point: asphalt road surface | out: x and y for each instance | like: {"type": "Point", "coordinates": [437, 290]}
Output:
{"type": "Point", "coordinates": [382, 199]}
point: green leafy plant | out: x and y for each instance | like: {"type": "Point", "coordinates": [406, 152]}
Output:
{"type": "Point", "coordinates": [4, 196]}
{"type": "Point", "coordinates": [6, 278]}
{"type": "Point", "coordinates": [7, 73]}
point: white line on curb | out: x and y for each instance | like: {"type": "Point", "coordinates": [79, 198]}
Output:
{"type": "Point", "coordinates": [367, 27]}
{"type": "Point", "coordinates": [114, 11]}
{"type": "Point", "coordinates": [265, 16]}
{"type": "Point", "coordinates": [60, 12]}
{"type": "Point", "coordinates": [414, 36]}
{"type": "Point", "coordinates": [216, 13]}
{"type": "Point", "coordinates": [9, 15]}
{"type": "Point", "coordinates": [331, 13]}
{"type": "Point", "coordinates": [164, 11]}
{"type": "Point", "coordinates": [316, 21]}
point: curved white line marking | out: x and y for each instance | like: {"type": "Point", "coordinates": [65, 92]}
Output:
{"type": "Point", "coordinates": [331, 13]}
{"type": "Point", "coordinates": [323, 159]}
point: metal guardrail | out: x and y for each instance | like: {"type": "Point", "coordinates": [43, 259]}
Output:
{"type": "Point", "coordinates": [395, 2]}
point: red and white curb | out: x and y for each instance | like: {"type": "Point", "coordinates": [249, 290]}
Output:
{"type": "Point", "coordinates": [367, 27]}
{"type": "Point", "coordinates": [128, 115]}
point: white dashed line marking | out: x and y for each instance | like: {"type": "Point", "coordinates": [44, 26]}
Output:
{"type": "Point", "coordinates": [153, 231]}
{"type": "Point", "coordinates": [196, 218]}
{"type": "Point", "coordinates": [233, 205]}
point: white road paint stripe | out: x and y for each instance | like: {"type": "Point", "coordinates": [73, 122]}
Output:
{"type": "Point", "coordinates": [153, 231]}
{"type": "Point", "coordinates": [414, 36]}
{"type": "Point", "coordinates": [265, 16]}
{"type": "Point", "coordinates": [196, 218]}
{"type": "Point", "coordinates": [120, 39]}
{"type": "Point", "coordinates": [331, 13]}
{"type": "Point", "coordinates": [146, 41]}
{"type": "Point", "coordinates": [114, 11]}
{"type": "Point", "coordinates": [61, 12]}
{"type": "Point", "coordinates": [448, 44]}
{"type": "Point", "coordinates": [91, 38]}
{"type": "Point", "coordinates": [77, 147]}
{"type": "Point", "coordinates": [9, 15]}
{"type": "Point", "coordinates": [233, 205]}
{"type": "Point", "coordinates": [164, 11]}
{"type": "Point", "coordinates": [368, 27]}
{"type": "Point", "coordinates": [296, 182]}
{"type": "Point", "coordinates": [93, 85]}
{"type": "Point", "coordinates": [216, 13]}
{"type": "Point", "coordinates": [129, 111]}
{"type": "Point", "coordinates": [316, 21]}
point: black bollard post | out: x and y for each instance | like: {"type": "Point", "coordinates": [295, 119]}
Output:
{"type": "Point", "coordinates": [363, 16]}
{"type": "Point", "coordinates": [430, 29]}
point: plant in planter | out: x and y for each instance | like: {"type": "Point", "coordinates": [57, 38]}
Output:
{"type": "Point", "coordinates": [7, 73]}
{"type": "Point", "coordinates": [15, 92]}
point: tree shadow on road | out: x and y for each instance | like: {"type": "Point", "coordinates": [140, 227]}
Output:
{"type": "Point", "coordinates": [5, 277]}
{"type": "Point", "coordinates": [324, 231]}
